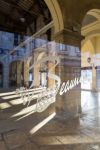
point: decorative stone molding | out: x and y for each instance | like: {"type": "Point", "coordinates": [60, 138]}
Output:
{"type": "Point", "coordinates": [69, 37]}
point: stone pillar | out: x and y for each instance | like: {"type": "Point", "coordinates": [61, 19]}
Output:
{"type": "Point", "coordinates": [19, 69]}
{"type": "Point", "coordinates": [6, 75]}
{"type": "Point", "coordinates": [36, 73]}
{"type": "Point", "coordinates": [69, 104]}
{"type": "Point", "coordinates": [36, 76]}
{"type": "Point", "coordinates": [94, 72]}
{"type": "Point", "coordinates": [51, 68]}
{"type": "Point", "coordinates": [51, 82]}
{"type": "Point", "coordinates": [26, 74]}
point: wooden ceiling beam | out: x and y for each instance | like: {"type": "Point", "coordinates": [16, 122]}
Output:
{"type": "Point", "coordinates": [12, 25]}
{"type": "Point", "coordinates": [13, 29]}
{"type": "Point", "coordinates": [15, 5]}
{"type": "Point", "coordinates": [42, 10]}
{"type": "Point", "coordinates": [7, 16]}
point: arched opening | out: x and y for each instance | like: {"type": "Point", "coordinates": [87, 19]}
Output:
{"type": "Point", "coordinates": [16, 74]}
{"type": "Point", "coordinates": [87, 52]}
{"type": "Point", "coordinates": [90, 60]}
{"type": "Point", "coordinates": [56, 14]}
{"type": "Point", "coordinates": [1, 75]}
{"type": "Point", "coordinates": [28, 18]}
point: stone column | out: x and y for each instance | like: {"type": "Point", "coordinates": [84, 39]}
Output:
{"type": "Point", "coordinates": [36, 76]}
{"type": "Point", "coordinates": [26, 74]}
{"type": "Point", "coordinates": [36, 73]}
{"type": "Point", "coordinates": [94, 72]}
{"type": "Point", "coordinates": [51, 82]}
{"type": "Point", "coordinates": [51, 68]}
{"type": "Point", "coordinates": [6, 75]}
{"type": "Point", "coordinates": [19, 69]}
{"type": "Point", "coordinates": [69, 104]}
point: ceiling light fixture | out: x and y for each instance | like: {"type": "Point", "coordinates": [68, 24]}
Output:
{"type": "Point", "coordinates": [22, 19]}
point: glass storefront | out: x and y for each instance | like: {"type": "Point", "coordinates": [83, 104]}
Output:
{"type": "Point", "coordinates": [86, 75]}
{"type": "Point", "coordinates": [98, 77]}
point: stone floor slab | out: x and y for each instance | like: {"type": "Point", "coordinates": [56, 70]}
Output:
{"type": "Point", "coordinates": [2, 145]}
{"type": "Point", "coordinates": [15, 139]}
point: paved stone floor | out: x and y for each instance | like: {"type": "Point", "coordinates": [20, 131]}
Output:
{"type": "Point", "coordinates": [24, 130]}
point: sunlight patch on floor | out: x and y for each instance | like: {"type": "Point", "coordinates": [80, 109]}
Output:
{"type": "Point", "coordinates": [41, 124]}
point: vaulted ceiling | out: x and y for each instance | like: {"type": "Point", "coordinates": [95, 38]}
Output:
{"type": "Point", "coordinates": [17, 15]}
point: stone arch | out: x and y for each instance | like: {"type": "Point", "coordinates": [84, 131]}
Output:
{"type": "Point", "coordinates": [95, 13]}
{"type": "Point", "coordinates": [88, 45]}
{"type": "Point", "coordinates": [91, 34]}
{"type": "Point", "coordinates": [92, 29]}
{"type": "Point", "coordinates": [56, 14]}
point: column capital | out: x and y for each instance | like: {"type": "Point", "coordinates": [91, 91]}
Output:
{"type": "Point", "coordinates": [69, 37]}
